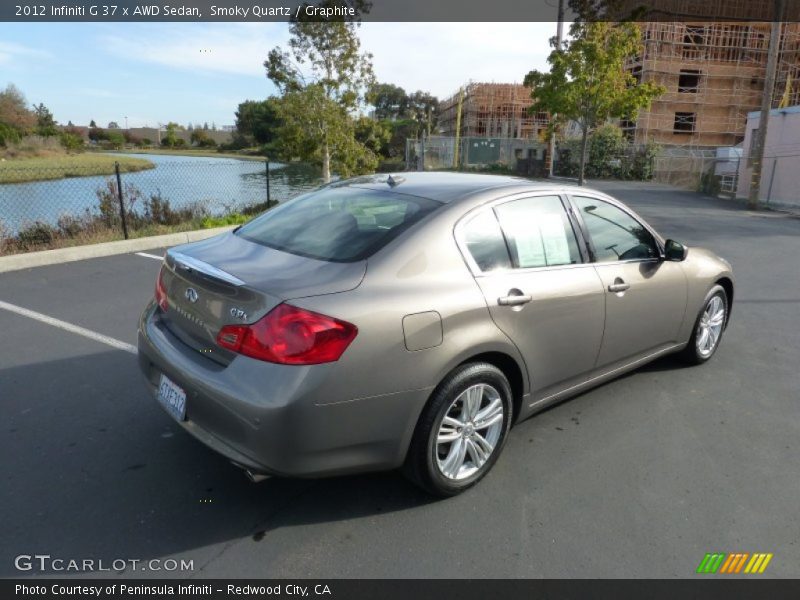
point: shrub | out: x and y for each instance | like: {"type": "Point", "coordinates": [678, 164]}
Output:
{"type": "Point", "coordinates": [130, 138]}
{"type": "Point", "coordinates": [70, 226]}
{"type": "Point", "coordinates": [116, 139]}
{"type": "Point", "coordinates": [108, 204]}
{"type": "Point", "coordinates": [98, 135]}
{"type": "Point", "coordinates": [391, 166]}
{"type": "Point", "coordinates": [34, 235]}
{"type": "Point", "coordinates": [70, 141]}
{"type": "Point", "coordinates": [9, 135]}
{"type": "Point", "coordinates": [158, 210]}
{"type": "Point", "coordinates": [608, 156]}
{"type": "Point", "coordinates": [230, 219]}
{"type": "Point", "coordinates": [606, 147]}
{"type": "Point", "coordinates": [710, 183]}
{"type": "Point", "coordinates": [5, 236]}
{"type": "Point", "coordinates": [640, 165]}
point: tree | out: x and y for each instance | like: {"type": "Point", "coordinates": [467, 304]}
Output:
{"type": "Point", "coordinates": [390, 101]}
{"type": "Point", "coordinates": [325, 67]}
{"type": "Point", "coordinates": [258, 121]}
{"type": "Point", "coordinates": [92, 124]}
{"type": "Point", "coordinates": [171, 138]}
{"type": "Point", "coordinates": [116, 139]}
{"type": "Point", "coordinates": [318, 130]}
{"type": "Point", "coordinates": [98, 135]}
{"type": "Point", "coordinates": [45, 123]}
{"type": "Point", "coordinates": [375, 135]}
{"type": "Point", "coordinates": [588, 82]}
{"type": "Point", "coordinates": [201, 139]}
{"type": "Point", "coordinates": [71, 141]}
{"type": "Point", "coordinates": [422, 108]}
{"type": "Point", "coordinates": [14, 111]}
{"type": "Point", "coordinates": [113, 125]}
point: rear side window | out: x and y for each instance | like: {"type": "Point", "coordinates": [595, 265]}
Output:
{"type": "Point", "coordinates": [485, 242]}
{"type": "Point", "coordinates": [338, 224]}
{"type": "Point", "coordinates": [538, 231]}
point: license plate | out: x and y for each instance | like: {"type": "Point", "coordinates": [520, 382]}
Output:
{"type": "Point", "coordinates": [172, 397]}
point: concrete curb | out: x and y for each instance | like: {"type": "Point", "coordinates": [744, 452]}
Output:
{"type": "Point", "coordinates": [16, 262]}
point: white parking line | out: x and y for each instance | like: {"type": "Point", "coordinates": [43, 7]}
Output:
{"type": "Point", "coordinates": [87, 333]}
{"type": "Point", "coordinates": [146, 255]}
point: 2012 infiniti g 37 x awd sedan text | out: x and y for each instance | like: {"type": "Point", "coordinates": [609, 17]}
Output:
{"type": "Point", "coordinates": [410, 320]}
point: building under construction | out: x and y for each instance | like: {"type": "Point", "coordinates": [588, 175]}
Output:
{"type": "Point", "coordinates": [714, 75]}
{"type": "Point", "coordinates": [492, 110]}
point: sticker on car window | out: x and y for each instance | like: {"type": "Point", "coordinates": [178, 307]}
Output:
{"type": "Point", "coordinates": [554, 238]}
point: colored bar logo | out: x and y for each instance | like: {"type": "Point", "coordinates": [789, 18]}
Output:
{"type": "Point", "coordinates": [736, 562]}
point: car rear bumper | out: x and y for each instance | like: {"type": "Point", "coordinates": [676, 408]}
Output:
{"type": "Point", "coordinates": [276, 419]}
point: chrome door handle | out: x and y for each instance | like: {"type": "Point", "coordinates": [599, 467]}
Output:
{"type": "Point", "coordinates": [618, 286]}
{"type": "Point", "coordinates": [515, 300]}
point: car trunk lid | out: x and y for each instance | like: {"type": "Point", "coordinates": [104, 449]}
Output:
{"type": "Point", "coordinates": [229, 280]}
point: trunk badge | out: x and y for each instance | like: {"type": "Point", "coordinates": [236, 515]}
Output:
{"type": "Point", "coordinates": [191, 295]}
{"type": "Point", "coordinates": [238, 313]}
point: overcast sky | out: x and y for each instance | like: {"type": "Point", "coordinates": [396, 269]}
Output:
{"type": "Point", "coordinates": [155, 73]}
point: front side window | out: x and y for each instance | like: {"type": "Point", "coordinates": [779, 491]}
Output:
{"type": "Point", "coordinates": [615, 234]}
{"type": "Point", "coordinates": [538, 232]}
{"type": "Point", "coordinates": [338, 224]}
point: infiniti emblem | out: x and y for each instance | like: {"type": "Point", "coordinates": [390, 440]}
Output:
{"type": "Point", "coordinates": [191, 295]}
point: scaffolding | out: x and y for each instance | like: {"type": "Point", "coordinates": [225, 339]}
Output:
{"type": "Point", "coordinates": [714, 75]}
{"type": "Point", "coordinates": [492, 110]}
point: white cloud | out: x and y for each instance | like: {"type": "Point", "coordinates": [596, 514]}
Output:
{"type": "Point", "coordinates": [238, 49]}
{"type": "Point", "coordinates": [439, 57]}
{"type": "Point", "coordinates": [436, 57]}
{"type": "Point", "coordinates": [11, 53]}
{"type": "Point", "coordinates": [97, 92]}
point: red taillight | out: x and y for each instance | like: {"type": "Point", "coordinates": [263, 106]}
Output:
{"type": "Point", "coordinates": [290, 336]}
{"type": "Point", "coordinates": [161, 291]}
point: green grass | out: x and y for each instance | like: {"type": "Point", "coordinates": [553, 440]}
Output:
{"type": "Point", "coordinates": [231, 219]}
{"type": "Point", "coordinates": [23, 170]}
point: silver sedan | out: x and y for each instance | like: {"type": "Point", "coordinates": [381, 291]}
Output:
{"type": "Point", "coordinates": [410, 320]}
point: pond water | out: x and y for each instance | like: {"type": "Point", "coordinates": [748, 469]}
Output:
{"type": "Point", "coordinates": [218, 184]}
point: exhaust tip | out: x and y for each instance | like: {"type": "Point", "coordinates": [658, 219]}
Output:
{"type": "Point", "coordinates": [255, 477]}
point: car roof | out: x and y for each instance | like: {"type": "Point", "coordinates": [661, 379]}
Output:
{"type": "Point", "coordinates": [442, 186]}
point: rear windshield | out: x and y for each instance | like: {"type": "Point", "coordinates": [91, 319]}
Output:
{"type": "Point", "coordinates": [337, 224]}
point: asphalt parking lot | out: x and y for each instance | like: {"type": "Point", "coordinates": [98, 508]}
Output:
{"type": "Point", "coordinates": [638, 478]}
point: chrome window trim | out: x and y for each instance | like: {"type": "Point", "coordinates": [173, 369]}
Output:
{"type": "Point", "coordinates": [458, 232]}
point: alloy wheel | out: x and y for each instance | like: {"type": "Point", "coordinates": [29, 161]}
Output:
{"type": "Point", "coordinates": [469, 432]}
{"type": "Point", "coordinates": [710, 326]}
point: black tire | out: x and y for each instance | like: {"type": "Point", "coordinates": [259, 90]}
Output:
{"type": "Point", "coordinates": [692, 354]}
{"type": "Point", "coordinates": [422, 466]}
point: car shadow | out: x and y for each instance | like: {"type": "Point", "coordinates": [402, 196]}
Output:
{"type": "Point", "coordinates": [94, 468]}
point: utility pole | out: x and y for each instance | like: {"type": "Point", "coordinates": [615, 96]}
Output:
{"type": "Point", "coordinates": [766, 106]}
{"type": "Point", "coordinates": [458, 128]}
{"type": "Point", "coordinates": [559, 37]}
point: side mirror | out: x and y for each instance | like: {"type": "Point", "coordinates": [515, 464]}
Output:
{"type": "Point", "coordinates": [675, 251]}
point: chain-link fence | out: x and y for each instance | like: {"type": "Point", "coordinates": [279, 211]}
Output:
{"type": "Point", "coordinates": [48, 207]}
{"type": "Point", "coordinates": [524, 156]}
{"type": "Point", "coordinates": [780, 177]}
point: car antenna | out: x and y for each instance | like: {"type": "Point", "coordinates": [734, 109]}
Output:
{"type": "Point", "coordinates": [393, 181]}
